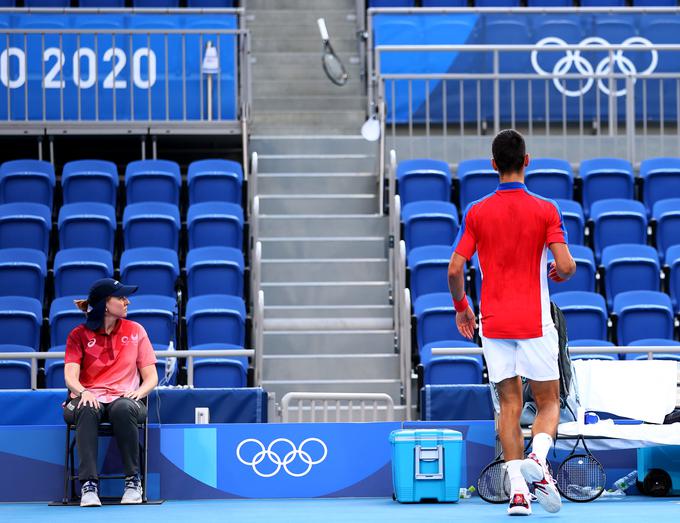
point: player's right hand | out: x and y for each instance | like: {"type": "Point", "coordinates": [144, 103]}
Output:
{"type": "Point", "coordinates": [466, 323]}
{"type": "Point", "coordinates": [553, 274]}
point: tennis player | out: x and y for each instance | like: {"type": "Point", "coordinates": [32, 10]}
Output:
{"type": "Point", "coordinates": [511, 229]}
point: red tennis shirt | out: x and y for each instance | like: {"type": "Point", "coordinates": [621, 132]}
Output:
{"type": "Point", "coordinates": [511, 229]}
{"type": "Point", "coordinates": [110, 363]}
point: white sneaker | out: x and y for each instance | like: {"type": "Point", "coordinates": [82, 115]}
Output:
{"type": "Point", "coordinates": [545, 490]}
{"type": "Point", "coordinates": [89, 495]}
{"type": "Point", "coordinates": [520, 504]}
{"type": "Point", "coordinates": [133, 491]}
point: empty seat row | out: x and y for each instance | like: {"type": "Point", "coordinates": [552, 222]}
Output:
{"type": "Point", "coordinates": [149, 224]}
{"type": "Point", "coordinates": [97, 181]}
{"type": "Point", "coordinates": [121, 3]}
{"type": "Point", "coordinates": [518, 3]}
{"type": "Point", "coordinates": [602, 178]}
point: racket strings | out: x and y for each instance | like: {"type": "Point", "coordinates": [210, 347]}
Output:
{"type": "Point", "coordinates": [334, 68]}
{"type": "Point", "coordinates": [493, 485]}
{"type": "Point", "coordinates": [581, 478]}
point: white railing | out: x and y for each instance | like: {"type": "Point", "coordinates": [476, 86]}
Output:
{"type": "Point", "coordinates": [649, 349]}
{"type": "Point", "coordinates": [336, 407]}
{"type": "Point", "coordinates": [189, 355]}
{"type": "Point", "coordinates": [405, 350]}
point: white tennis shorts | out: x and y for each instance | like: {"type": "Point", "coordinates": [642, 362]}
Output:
{"type": "Point", "coordinates": [532, 358]}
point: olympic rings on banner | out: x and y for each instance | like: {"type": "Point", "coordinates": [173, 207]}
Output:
{"type": "Point", "coordinates": [288, 458]}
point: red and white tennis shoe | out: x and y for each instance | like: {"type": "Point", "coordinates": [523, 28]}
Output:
{"type": "Point", "coordinates": [545, 489]}
{"type": "Point", "coordinates": [520, 504]}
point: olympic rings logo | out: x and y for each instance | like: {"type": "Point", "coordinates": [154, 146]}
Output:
{"type": "Point", "coordinates": [574, 59]}
{"type": "Point", "coordinates": [288, 458]}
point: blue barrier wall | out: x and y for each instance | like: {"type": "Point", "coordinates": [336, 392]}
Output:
{"type": "Point", "coordinates": [107, 76]}
{"type": "Point", "coordinates": [535, 100]}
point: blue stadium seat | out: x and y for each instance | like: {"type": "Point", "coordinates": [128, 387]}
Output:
{"type": "Point", "coordinates": [154, 269]}
{"type": "Point", "coordinates": [496, 3]}
{"type": "Point", "coordinates": [64, 317]}
{"type": "Point", "coordinates": [435, 317]}
{"type": "Point", "coordinates": [444, 3]}
{"type": "Point", "coordinates": [15, 374]}
{"type": "Point", "coordinates": [76, 269]}
{"type": "Point", "coordinates": [603, 3]}
{"type": "Point", "coordinates": [618, 221]}
{"type": "Point", "coordinates": [652, 342]}
{"type": "Point", "coordinates": [655, 3]}
{"type": "Point", "coordinates": [630, 267]}
{"type": "Point", "coordinates": [592, 343]}
{"type": "Point", "coordinates": [54, 370]}
{"type": "Point", "coordinates": [423, 179]}
{"type": "Point", "coordinates": [215, 318]}
{"type": "Point", "coordinates": [584, 279]}
{"type": "Point", "coordinates": [456, 402]}
{"type": "Point", "coordinates": [476, 277]}
{"type": "Point", "coordinates": [47, 3]}
{"type": "Point", "coordinates": [101, 3]}
{"type": "Point", "coordinates": [25, 225]}
{"type": "Point", "coordinates": [153, 180]}
{"type": "Point", "coordinates": [442, 370]}
{"type": "Point", "coordinates": [27, 181]}
{"type": "Point", "coordinates": [429, 223]}
{"type": "Point", "coordinates": [477, 179]}
{"type": "Point", "coordinates": [22, 273]}
{"type": "Point", "coordinates": [151, 224]}
{"type": "Point", "coordinates": [642, 314]}
{"type": "Point", "coordinates": [666, 213]}
{"type": "Point", "coordinates": [661, 180]}
{"type": "Point", "coordinates": [155, 3]}
{"type": "Point", "coordinates": [574, 221]}
{"type": "Point", "coordinates": [20, 321]}
{"type": "Point", "coordinates": [215, 181]}
{"type": "Point", "coordinates": [605, 178]}
{"type": "Point", "coordinates": [219, 372]}
{"type": "Point", "coordinates": [214, 270]}
{"type": "Point", "coordinates": [87, 224]}
{"type": "Point", "coordinates": [429, 267]}
{"type": "Point", "coordinates": [90, 181]}
{"type": "Point", "coordinates": [8, 3]}
{"type": "Point", "coordinates": [585, 312]}
{"type": "Point", "coordinates": [613, 29]}
{"type": "Point", "coordinates": [210, 3]}
{"type": "Point", "coordinates": [550, 3]}
{"type": "Point", "coordinates": [158, 316]}
{"type": "Point", "coordinates": [550, 178]}
{"type": "Point", "coordinates": [215, 224]}
{"type": "Point", "coordinates": [391, 3]}
{"type": "Point", "coordinates": [673, 263]}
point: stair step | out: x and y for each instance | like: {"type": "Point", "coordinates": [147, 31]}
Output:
{"type": "Point", "coordinates": [312, 144]}
{"type": "Point", "coordinates": [316, 183]}
{"type": "Point", "coordinates": [310, 103]}
{"type": "Point", "coordinates": [317, 204]}
{"type": "Point", "coordinates": [335, 19]}
{"type": "Point", "coordinates": [336, 313]}
{"type": "Point", "coordinates": [298, 5]}
{"type": "Point", "coordinates": [301, 118]}
{"type": "Point", "coordinates": [306, 27]}
{"type": "Point", "coordinates": [325, 270]}
{"type": "Point", "coordinates": [318, 87]}
{"type": "Point", "coordinates": [342, 44]}
{"type": "Point", "coordinates": [327, 293]}
{"type": "Point", "coordinates": [281, 387]}
{"type": "Point", "coordinates": [323, 225]}
{"type": "Point", "coordinates": [330, 366]}
{"type": "Point", "coordinates": [314, 163]}
{"type": "Point", "coordinates": [323, 247]}
{"type": "Point", "coordinates": [329, 342]}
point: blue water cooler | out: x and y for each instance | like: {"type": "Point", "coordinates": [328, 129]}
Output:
{"type": "Point", "coordinates": [426, 465]}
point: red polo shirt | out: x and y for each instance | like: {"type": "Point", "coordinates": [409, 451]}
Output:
{"type": "Point", "coordinates": [110, 363]}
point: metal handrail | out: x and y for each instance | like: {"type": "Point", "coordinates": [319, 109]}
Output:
{"type": "Point", "coordinates": [406, 349]}
{"type": "Point", "coordinates": [649, 349]}
{"type": "Point", "coordinates": [258, 322]}
{"type": "Point", "coordinates": [378, 402]}
{"type": "Point", "coordinates": [189, 355]}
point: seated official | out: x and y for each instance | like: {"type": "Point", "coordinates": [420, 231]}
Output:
{"type": "Point", "coordinates": [105, 357]}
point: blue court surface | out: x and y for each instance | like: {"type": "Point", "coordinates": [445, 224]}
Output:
{"type": "Point", "coordinates": [634, 509]}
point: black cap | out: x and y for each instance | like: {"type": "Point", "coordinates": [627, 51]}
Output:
{"type": "Point", "coordinates": [99, 292]}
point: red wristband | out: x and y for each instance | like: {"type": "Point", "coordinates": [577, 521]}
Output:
{"type": "Point", "coordinates": [462, 304]}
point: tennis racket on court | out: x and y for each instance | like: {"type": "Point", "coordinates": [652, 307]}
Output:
{"type": "Point", "coordinates": [581, 477]}
{"type": "Point", "coordinates": [493, 485]}
{"type": "Point", "coordinates": [332, 65]}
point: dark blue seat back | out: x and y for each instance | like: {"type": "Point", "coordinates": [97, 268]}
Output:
{"type": "Point", "coordinates": [215, 270]}
{"type": "Point", "coordinates": [477, 179]}
{"type": "Point", "coordinates": [76, 269]}
{"type": "Point", "coordinates": [64, 317]}
{"type": "Point", "coordinates": [435, 319]}
{"type": "Point", "coordinates": [429, 268]}
{"type": "Point", "coordinates": [153, 180]}
{"type": "Point", "coordinates": [605, 178]}
{"type": "Point", "coordinates": [550, 178]}
{"type": "Point", "coordinates": [22, 273]}
{"type": "Point", "coordinates": [429, 223]}
{"type": "Point", "coordinates": [54, 370]}
{"type": "Point", "coordinates": [673, 262]}
{"type": "Point", "coordinates": [90, 181]}
{"type": "Point", "coordinates": [642, 314]}
{"type": "Point", "coordinates": [20, 321]}
{"type": "Point", "coordinates": [584, 279]}
{"type": "Point", "coordinates": [630, 267]}
{"type": "Point", "coordinates": [661, 179]}
{"type": "Point", "coordinates": [456, 402]}
{"type": "Point", "coordinates": [574, 221]}
{"type": "Point", "coordinates": [87, 224]}
{"type": "Point", "coordinates": [215, 181]}
{"type": "Point", "coordinates": [151, 224]}
{"type": "Point", "coordinates": [154, 269]}
{"type": "Point", "coordinates": [667, 216]}
{"type": "Point", "coordinates": [585, 312]}
{"type": "Point", "coordinates": [219, 372]}
{"type": "Point", "coordinates": [25, 225]}
{"type": "Point", "coordinates": [215, 319]}
{"type": "Point", "coordinates": [449, 370]}
{"type": "Point", "coordinates": [653, 342]}
{"type": "Point", "coordinates": [158, 316]}
{"type": "Point", "coordinates": [618, 221]}
{"type": "Point", "coordinates": [27, 181]}
{"type": "Point", "coordinates": [215, 224]}
{"type": "Point", "coordinates": [15, 374]}
{"type": "Point", "coordinates": [423, 179]}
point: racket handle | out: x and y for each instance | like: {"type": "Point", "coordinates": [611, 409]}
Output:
{"type": "Point", "coordinates": [322, 29]}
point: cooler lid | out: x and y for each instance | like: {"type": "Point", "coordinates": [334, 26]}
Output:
{"type": "Point", "coordinates": [419, 435]}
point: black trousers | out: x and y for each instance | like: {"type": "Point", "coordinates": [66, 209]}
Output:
{"type": "Point", "coordinates": [124, 414]}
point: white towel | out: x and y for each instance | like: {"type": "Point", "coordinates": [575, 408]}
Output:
{"type": "Point", "coordinates": [638, 389]}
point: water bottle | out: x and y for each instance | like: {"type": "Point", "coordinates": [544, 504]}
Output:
{"type": "Point", "coordinates": [626, 481]}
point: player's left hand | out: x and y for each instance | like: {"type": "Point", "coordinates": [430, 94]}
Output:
{"type": "Point", "coordinates": [466, 323]}
{"type": "Point", "coordinates": [133, 395]}
{"type": "Point", "coordinates": [553, 274]}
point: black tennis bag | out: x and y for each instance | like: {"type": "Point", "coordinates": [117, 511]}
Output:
{"type": "Point", "coordinates": [569, 400]}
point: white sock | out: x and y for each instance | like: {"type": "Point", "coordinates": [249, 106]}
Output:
{"type": "Point", "coordinates": [541, 445]}
{"type": "Point", "coordinates": [517, 482]}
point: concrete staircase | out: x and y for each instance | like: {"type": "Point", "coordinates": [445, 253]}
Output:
{"type": "Point", "coordinates": [291, 93]}
{"type": "Point", "coordinates": [325, 276]}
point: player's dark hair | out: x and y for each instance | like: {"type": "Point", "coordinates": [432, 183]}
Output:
{"type": "Point", "coordinates": [508, 150]}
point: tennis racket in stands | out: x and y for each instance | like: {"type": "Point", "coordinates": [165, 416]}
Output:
{"type": "Point", "coordinates": [493, 485]}
{"type": "Point", "coordinates": [332, 65]}
{"type": "Point", "coordinates": [581, 476]}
